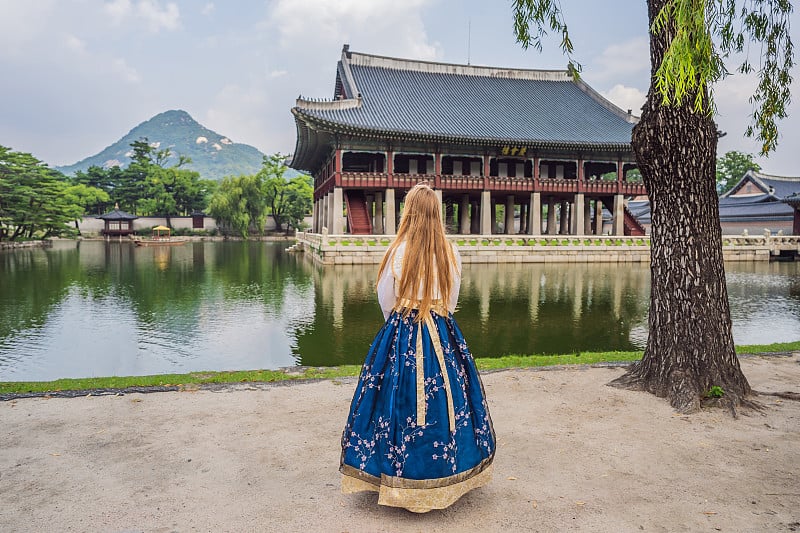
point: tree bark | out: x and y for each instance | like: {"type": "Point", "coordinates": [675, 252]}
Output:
{"type": "Point", "coordinates": [690, 346]}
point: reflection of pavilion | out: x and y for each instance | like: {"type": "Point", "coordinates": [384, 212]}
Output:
{"type": "Point", "coordinates": [503, 308]}
{"type": "Point", "coordinates": [536, 143]}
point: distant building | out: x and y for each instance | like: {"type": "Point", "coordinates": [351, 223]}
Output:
{"type": "Point", "coordinates": [536, 142]}
{"type": "Point", "coordinates": [757, 202]}
{"type": "Point", "coordinates": [118, 223]}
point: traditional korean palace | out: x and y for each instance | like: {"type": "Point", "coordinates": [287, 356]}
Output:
{"type": "Point", "coordinates": [543, 148]}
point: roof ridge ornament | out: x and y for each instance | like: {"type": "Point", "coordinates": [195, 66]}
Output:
{"type": "Point", "coordinates": [368, 60]}
{"type": "Point", "coordinates": [318, 104]}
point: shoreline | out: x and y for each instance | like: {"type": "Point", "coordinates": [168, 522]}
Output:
{"type": "Point", "coordinates": [232, 380]}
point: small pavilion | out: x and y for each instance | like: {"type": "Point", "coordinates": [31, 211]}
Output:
{"type": "Point", "coordinates": [118, 223]}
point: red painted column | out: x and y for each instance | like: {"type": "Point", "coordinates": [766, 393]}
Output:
{"type": "Point", "coordinates": [338, 168]}
{"type": "Point", "coordinates": [581, 183]}
{"type": "Point", "coordinates": [437, 165]}
{"type": "Point", "coordinates": [390, 169]}
{"type": "Point", "coordinates": [536, 162]}
{"type": "Point", "coordinates": [619, 176]}
{"type": "Point", "coordinates": [486, 168]}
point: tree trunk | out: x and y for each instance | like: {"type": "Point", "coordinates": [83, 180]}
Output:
{"type": "Point", "coordinates": [690, 347]}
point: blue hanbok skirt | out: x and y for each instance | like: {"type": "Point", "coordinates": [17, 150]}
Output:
{"type": "Point", "coordinates": [419, 439]}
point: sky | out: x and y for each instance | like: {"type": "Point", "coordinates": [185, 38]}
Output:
{"type": "Point", "coordinates": [77, 75]}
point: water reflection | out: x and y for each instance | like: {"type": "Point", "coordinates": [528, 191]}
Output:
{"type": "Point", "coordinates": [94, 308]}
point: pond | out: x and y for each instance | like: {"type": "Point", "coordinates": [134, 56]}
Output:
{"type": "Point", "coordinates": [92, 308]}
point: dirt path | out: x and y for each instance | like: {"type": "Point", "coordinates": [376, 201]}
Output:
{"type": "Point", "coordinates": [573, 454]}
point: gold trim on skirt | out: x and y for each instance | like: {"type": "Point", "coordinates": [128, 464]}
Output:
{"type": "Point", "coordinates": [417, 495]}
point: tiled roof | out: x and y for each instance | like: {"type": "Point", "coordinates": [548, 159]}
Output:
{"type": "Point", "coordinates": [777, 187]}
{"type": "Point", "coordinates": [768, 206]}
{"type": "Point", "coordinates": [117, 214]}
{"type": "Point", "coordinates": [396, 98]}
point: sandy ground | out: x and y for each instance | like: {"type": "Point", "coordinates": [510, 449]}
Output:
{"type": "Point", "coordinates": [573, 454]}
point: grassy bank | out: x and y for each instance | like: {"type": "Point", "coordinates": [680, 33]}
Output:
{"type": "Point", "coordinates": [245, 376]}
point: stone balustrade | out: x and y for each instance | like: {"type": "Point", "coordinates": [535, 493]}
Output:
{"type": "Point", "coordinates": [369, 249]}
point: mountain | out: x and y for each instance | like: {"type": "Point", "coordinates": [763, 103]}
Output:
{"type": "Point", "coordinates": [213, 155]}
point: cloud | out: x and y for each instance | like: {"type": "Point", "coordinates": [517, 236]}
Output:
{"type": "Point", "coordinates": [207, 9]}
{"type": "Point", "coordinates": [126, 72]}
{"type": "Point", "coordinates": [622, 62]}
{"type": "Point", "coordinates": [74, 43]}
{"type": "Point", "coordinates": [380, 26]}
{"type": "Point", "coordinates": [626, 97]}
{"type": "Point", "coordinates": [277, 73]}
{"type": "Point", "coordinates": [22, 23]}
{"type": "Point", "coordinates": [149, 11]}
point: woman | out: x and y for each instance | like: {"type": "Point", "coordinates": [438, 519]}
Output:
{"type": "Point", "coordinates": [419, 431]}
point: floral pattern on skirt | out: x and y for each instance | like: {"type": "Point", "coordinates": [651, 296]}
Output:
{"type": "Point", "coordinates": [384, 448]}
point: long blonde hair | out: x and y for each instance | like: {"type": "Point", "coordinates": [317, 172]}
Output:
{"type": "Point", "coordinates": [428, 260]}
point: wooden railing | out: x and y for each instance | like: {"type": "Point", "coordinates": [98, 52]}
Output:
{"type": "Point", "coordinates": [448, 182]}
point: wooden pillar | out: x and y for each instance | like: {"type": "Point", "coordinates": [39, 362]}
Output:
{"type": "Point", "coordinates": [438, 193]}
{"type": "Point", "coordinates": [535, 214]}
{"type": "Point", "coordinates": [390, 168]}
{"type": "Point", "coordinates": [463, 215]}
{"type": "Point", "coordinates": [486, 213]}
{"type": "Point", "coordinates": [437, 164]}
{"type": "Point", "coordinates": [391, 213]}
{"type": "Point", "coordinates": [337, 178]}
{"type": "Point", "coordinates": [617, 226]}
{"type": "Point", "coordinates": [509, 225]}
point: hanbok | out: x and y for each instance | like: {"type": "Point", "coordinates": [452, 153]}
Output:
{"type": "Point", "coordinates": [418, 431]}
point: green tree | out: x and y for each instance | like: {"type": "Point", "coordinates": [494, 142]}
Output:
{"type": "Point", "coordinates": [299, 201]}
{"type": "Point", "coordinates": [238, 205]}
{"type": "Point", "coordinates": [287, 200]}
{"type": "Point", "coordinates": [105, 179]}
{"type": "Point", "coordinates": [147, 186]}
{"type": "Point", "coordinates": [35, 200]}
{"type": "Point", "coordinates": [732, 167]}
{"type": "Point", "coordinates": [690, 345]}
{"type": "Point", "coordinates": [85, 197]}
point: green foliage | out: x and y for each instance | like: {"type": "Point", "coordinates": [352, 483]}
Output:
{"type": "Point", "coordinates": [37, 201]}
{"type": "Point", "coordinates": [541, 15]}
{"type": "Point", "coordinates": [715, 392]}
{"type": "Point", "coordinates": [147, 186]}
{"type": "Point", "coordinates": [692, 61]}
{"type": "Point", "coordinates": [237, 206]}
{"type": "Point", "coordinates": [732, 167]}
{"type": "Point", "coordinates": [288, 200]}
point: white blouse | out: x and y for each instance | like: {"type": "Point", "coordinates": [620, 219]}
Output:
{"type": "Point", "coordinates": [388, 284]}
